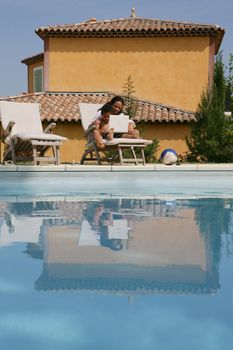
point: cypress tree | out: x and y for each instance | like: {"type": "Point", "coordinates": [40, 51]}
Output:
{"type": "Point", "coordinates": [210, 139]}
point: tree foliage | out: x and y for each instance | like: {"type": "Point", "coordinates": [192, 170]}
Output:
{"type": "Point", "coordinates": [211, 136]}
{"type": "Point", "coordinates": [151, 150]}
{"type": "Point", "coordinates": [130, 99]}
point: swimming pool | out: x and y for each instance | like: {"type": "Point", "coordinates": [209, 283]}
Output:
{"type": "Point", "coordinates": [80, 269]}
{"type": "Point", "coordinates": [209, 180]}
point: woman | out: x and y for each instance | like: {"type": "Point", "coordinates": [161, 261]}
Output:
{"type": "Point", "coordinates": [117, 103]}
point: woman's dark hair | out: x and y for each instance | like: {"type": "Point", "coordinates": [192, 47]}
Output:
{"type": "Point", "coordinates": [106, 108]}
{"type": "Point", "coordinates": [112, 101]}
{"type": "Point", "coordinates": [116, 99]}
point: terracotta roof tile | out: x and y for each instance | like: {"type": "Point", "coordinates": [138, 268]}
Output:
{"type": "Point", "coordinates": [63, 107]}
{"type": "Point", "coordinates": [124, 24]}
{"type": "Point", "coordinates": [131, 27]}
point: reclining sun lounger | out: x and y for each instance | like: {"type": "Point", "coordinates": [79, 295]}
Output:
{"type": "Point", "coordinates": [118, 146]}
{"type": "Point", "coordinates": [23, 134]}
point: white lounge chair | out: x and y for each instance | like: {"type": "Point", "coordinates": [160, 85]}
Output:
{"type": "Point", "coordinates": [24, 136]}
{"type": "Point", "coordinates": [88, 112]}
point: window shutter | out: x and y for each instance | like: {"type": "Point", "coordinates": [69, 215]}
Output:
{"type": "Point", "coordinates": [38, 79]}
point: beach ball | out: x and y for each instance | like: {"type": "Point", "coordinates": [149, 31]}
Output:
{"type": "Point", "coordinates": [169, 156]}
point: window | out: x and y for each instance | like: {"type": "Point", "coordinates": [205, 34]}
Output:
{"type": "Point", "coordinates": [38, 79]}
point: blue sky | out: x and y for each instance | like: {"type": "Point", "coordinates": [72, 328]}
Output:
{"type": "Point", "coordinates": [19, 19]}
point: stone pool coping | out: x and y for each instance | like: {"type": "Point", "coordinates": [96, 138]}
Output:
{"type": "Point", "coordinates": [77, 168]}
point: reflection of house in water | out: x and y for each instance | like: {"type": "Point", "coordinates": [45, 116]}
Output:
{"type": "Point", "coordinates": [158, 253]}
{"type": "Point", "coordinates": [123, 245]}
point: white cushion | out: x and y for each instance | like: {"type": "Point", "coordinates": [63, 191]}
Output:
{"type": "Point", "coordinates": [40, 136]}
{"type": "Point", "coordinates": [120, 140]}
{"type": "Point", "coordinates": [25, 115]}
{"type": "Point", "coordinates": [117, 141]}
{"type": "Point", "coordinates": [88, 112]}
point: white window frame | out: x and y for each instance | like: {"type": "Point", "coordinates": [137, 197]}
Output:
{"type": "Point", "coordinates": [35, 88]}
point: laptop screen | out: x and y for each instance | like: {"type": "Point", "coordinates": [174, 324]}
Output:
{"type": "Point", "coordinates": [119, 123]}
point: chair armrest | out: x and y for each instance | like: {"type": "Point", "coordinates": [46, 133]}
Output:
{"type": "Point", "coordinates": [49, 128]}
{"type": "Point", "coordinates": [8, 129]}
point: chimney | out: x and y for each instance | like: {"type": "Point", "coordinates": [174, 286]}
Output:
{"type": "Point", "coordinates": [133, 13]}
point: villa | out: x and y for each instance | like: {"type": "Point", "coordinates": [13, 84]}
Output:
{"type": "Point", "coordinates": [170, 64]}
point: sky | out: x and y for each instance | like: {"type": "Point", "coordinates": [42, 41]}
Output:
{"type": "Point", "coordinates": [20, 18]}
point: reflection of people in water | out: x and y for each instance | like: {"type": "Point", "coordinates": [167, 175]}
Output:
{"type": "Point", "coordinates": [101, 219]}
{"type": "Point", "coordinates": [93, 213]}
{"type": "Point", "coordinates": [105, 241]}
{"type": "Point", "coordinates": [106, 220]}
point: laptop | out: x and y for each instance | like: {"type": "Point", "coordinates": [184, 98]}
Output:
{"type": "Point", "coordinates": [119, 229]}
{"type": "Point", "coordinates": [119, 123]}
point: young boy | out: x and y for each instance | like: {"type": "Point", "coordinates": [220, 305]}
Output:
{"type": "Point", "coordinates": [102, 130]}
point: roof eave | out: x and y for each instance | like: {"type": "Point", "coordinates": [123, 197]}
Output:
{"type": "Point", "coordinates": [33, 59]}
{"type": "Point", "coordinates": [218, 39]}
{"type": "Point", "coordinates": [219, 33]}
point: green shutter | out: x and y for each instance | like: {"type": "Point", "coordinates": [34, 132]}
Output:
{"type": "Point", "coordinates": [38, 79]}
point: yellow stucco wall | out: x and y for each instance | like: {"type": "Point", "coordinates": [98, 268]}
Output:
{"type": "Point", "coordinates": [172, 71]}
{"type": "Point", "coordinates": [169, 136]}
{"type": "Point", "coordinates": [30, 74]}
{"type": "Point", "coordinates": [73, 148]}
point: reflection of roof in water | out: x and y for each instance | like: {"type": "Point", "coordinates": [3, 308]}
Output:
{"type": "Point", "coordinates": [125, 280]}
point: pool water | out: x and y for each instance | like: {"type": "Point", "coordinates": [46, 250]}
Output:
{"type": "Point", "coordinates": [116, 272]}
